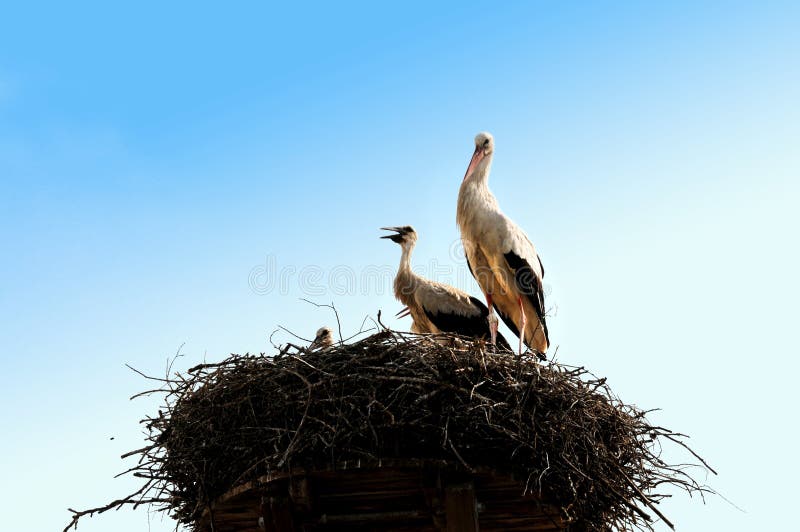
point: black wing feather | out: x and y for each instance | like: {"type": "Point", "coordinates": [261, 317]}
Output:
{"type": "Point", "coordinates": [476, 326]}
{"type": "Point", "coordinates": [529, 284]}
{"type": "Point", "coordinates": [508, 321]}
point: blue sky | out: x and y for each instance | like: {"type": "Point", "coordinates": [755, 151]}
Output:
{"type": "Point", "coordinates": [155, 159]}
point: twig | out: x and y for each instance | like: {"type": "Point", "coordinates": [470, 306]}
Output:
{"type": "Point", "coordinates": [335, 312]}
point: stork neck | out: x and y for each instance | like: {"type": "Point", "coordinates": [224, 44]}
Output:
{"type": "Point", "coordinates": [480, 176]}
{"type": "Point", "coordinates": [405, 281]}
{"type": "Point", "coordinates": [475, 200]}
{"type": "Point", "coordinates": [405, 258]}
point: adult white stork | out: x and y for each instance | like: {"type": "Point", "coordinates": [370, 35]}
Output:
{"type": "Point", "coordinates": [436, 307]}
{"type": "Point", "coordinates": [323, 339]}
{"type": "Point", "coordinates": [500, 256]}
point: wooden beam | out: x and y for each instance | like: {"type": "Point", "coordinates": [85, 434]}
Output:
{"type": "Point", "coordinates": [372, 517]}
{"type": "Point", "coordinates": [300, 495]}
{"type": "Point", "coordinates": [276, 515]}
{"type": "Point", "coordinates": [461, 509]}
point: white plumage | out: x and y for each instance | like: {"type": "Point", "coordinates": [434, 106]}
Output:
{"type": "Point", "coordinates": [323, 339]}
{"type": "Point", "coordinates": [501, 257]}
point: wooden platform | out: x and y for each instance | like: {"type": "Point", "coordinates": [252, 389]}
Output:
{"type": "Point", "coordinates": [407, 496]}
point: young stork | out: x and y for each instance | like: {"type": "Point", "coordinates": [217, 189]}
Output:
{"type": "Point", "coordinates": [436, 307]}
{"type": "Point", "coordinates": [323, 339]}
{"type": "Point", "coordinates": [500, 256]}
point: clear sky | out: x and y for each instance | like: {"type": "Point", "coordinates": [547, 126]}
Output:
{"type": "Point", "coordinates": [164, 165]}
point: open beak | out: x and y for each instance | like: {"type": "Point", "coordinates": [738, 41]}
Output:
{"type": "Point", "coordinates": [476, 158]}
{"type": "Point", "coordinates": [394, 238]}
{"type": "Point", "coordinates": [396, 229]}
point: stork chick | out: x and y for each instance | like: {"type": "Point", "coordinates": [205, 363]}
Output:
{"type": "Point", "coordinates": [323, 339]}
{"type": "Point", "coordinates": [500, 255]}
{"type": "Point", "coordinates": [436, 307]}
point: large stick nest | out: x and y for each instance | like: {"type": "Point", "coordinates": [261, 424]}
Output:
{"type": "Point", "coordinates": [557, 429]}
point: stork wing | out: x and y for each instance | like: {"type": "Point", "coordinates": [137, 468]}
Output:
{"type": "Point", "coordinates": [529, 283]}
{"type": "Point", "coordinates": [453, 311]}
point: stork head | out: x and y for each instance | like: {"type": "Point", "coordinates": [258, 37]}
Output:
{"type": "Point", "coordinates": [405, 235]}
{"type": "Point", "coordinates": [482, 157]}
{"type": "Point", "coordinates": [324, 338]}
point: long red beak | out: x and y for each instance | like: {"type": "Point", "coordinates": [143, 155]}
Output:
{"type": "Point", "coordinates": [476, 158]}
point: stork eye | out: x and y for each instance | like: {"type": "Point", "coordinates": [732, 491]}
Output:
{"type": "Point", "coordinates": [486, 143]}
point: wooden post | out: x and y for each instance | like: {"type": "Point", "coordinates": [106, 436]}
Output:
{"type": "Point", "coordinates": [300, 495]}
{"type": "Point", "coordinates": [460, 508]}
{"type": "Point", "coordinates": [276, 515]}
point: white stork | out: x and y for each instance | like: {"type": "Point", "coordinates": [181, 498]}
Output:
{"type": "Point", "coordinates": [500, 256]}
{"type": "Point", "coordinates": [323, 339]}
{"type": "Point", "coordinates": [436, 307]}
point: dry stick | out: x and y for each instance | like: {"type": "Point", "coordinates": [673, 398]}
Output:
{"type": "Point", "coordinates": [148, 392]}
{"type": "Point", "coordinates": [335, 312]}
{"type": "Point", "coordinates": [302, 420]}
{"type": "Point", "coordinates": [363, 322]}
{"type": "Point", "coordinates": [645, 499]}
{"type": "Point", "coordinates": [137, 451]}
{"type": "Point", "coordinates": [198, 367]}
{"type": "Point", "coordinates": [679, 442]}
{"type": "Point", "coordinates": [458, 455]}
{"type": "Point", "coordinates": [628, 503]}
{"type": "Point", "coordinates": [301, 361]}
{"type": "Point", "coordinates": [276, 347]}
{"type": "Point", "coordinates": [359, 333]}
{"type": "Point", "coordinates": [290, 345]}
{"type": "Point", "coordinates": [171, 362]}
{"type": "Point", "coordinates": [284, 329]}
{"type": "Point", "coordinates": [146, 376]}
{"type": "Point", "coordinates": [114, 504]}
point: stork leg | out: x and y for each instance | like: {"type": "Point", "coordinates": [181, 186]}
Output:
{"type": "Point", "coordinates": [493, 321]}
{"type": "Point", "coordinates": [524, 322]}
